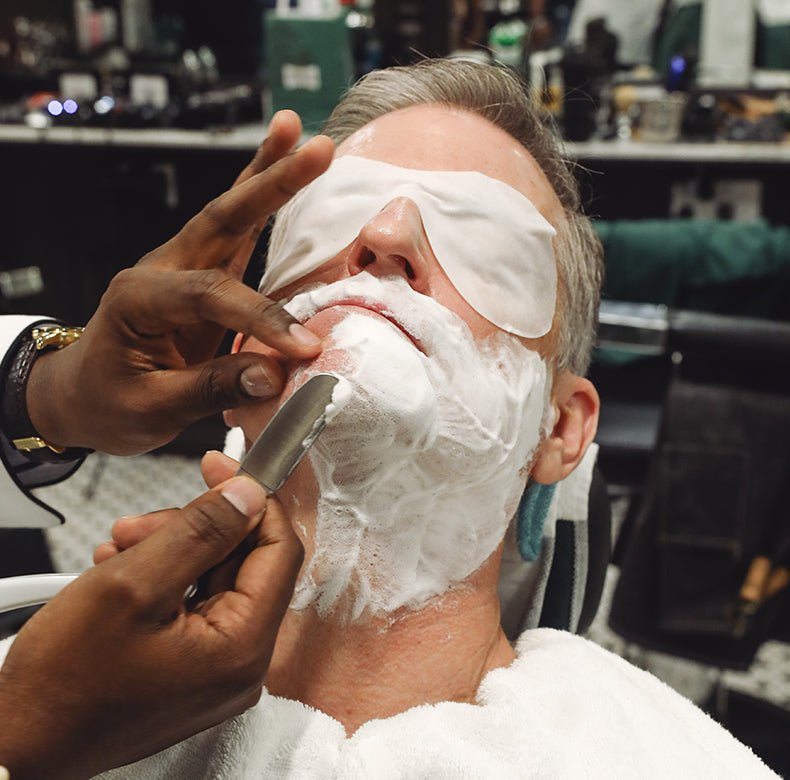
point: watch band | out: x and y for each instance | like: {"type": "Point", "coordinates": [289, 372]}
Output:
{"type": "Point", "coordinates": [16, 422]}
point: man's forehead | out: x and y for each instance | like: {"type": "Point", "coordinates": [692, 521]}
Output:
{"type": "Point", "coordinates": [447, 138]}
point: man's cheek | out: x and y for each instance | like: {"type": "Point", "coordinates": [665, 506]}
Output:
{"type": "Point", "coordinates": [238, 340]}
{"type": "Point", "coordinates": [251, 418]}
{"type": "Point", "coordinates": [244, 343]}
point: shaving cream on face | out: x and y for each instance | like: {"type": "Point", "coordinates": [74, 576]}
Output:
{"type": "Point", "coordinates": [421, 470]}
{"type": "Point", "coordinates": [492, 242]}
{"type": "Point", "coordinates": [341, 395]}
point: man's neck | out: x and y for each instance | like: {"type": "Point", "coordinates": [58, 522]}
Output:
{"type": "Point", "coordinates": [383, 665]}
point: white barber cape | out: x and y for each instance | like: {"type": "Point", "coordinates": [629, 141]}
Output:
{"type": "Point", "coordinates": [565, 708]}
{"type": "Point", "coordinates": [18, 507]}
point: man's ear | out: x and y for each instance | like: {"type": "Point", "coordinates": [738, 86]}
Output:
{"type": "Point", "coordinates": [576, 405]}
{"type": "Point", "coordinates": [237, 341]}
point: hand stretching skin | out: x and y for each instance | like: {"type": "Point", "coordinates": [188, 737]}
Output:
{"type": "Point", "coordinates": [116, 668]}
{"type": "Point", "coordinates": [143, 369]}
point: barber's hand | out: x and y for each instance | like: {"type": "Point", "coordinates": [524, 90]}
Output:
{"type": "Point", "coordinates": [116, 668]}
{"type": "Point", "coordinates": [131, 530]}
{"type": "Point", "coordinates": [216, 468]}
{"type": "Point", "coordinates": [143, 369]}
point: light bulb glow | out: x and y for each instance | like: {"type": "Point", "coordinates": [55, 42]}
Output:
{"type": "Point", "coordinates": [104, 105]}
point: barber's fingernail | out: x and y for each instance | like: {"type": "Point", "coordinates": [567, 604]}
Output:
{"type": "Point", "coordinates": [303, 335]}
{"type": "Point", "coordinates": [246, 495]}
{"type": "Point", "coordinates": [256, 382]}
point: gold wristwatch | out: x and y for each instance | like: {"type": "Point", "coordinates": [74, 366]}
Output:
{"type": "Point", "coordinates": [16, 422]}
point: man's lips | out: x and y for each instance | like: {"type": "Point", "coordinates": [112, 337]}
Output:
{"type": "Point", "coordinates": [371, 307]}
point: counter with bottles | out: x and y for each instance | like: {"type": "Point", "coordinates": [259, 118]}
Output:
{"type": "Point", "coordinates": [249, 136]}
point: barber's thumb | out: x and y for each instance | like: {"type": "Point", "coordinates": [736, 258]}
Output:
{"type": "Point", "coordinates": [225, 382]}
{"type": "Point", "coordinates": [199, 536]}
{"type": "Point", "coordinates": [247, 496]}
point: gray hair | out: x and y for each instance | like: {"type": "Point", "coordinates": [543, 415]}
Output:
{"type": "Point", "coordinates": [497, 95]}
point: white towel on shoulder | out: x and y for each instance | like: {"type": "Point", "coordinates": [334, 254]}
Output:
{"type": "Point", "coordinates": [565, 708]}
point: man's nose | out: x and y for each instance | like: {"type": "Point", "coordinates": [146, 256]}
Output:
{"type": "Point", "coordinates": [394, 243]}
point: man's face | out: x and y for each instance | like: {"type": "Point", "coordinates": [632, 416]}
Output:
{"type": "Point", "coordinates": [410, 488]}
{"type": "Point", "coordinates": [394, 242]}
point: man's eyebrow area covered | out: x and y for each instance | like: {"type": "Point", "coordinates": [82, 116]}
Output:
{"type": "Point", "coordinates": [492, 242]}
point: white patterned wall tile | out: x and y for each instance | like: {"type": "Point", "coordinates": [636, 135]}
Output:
{"type": "Point", "coordinates": [108, 487]}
